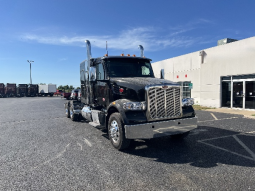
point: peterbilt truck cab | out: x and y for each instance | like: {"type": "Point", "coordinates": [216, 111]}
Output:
{"type": "Point", "coordinates": [121, 94]}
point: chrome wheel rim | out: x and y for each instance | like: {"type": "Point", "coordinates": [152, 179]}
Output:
{"type": "Point", "coordinates": [114, 131]}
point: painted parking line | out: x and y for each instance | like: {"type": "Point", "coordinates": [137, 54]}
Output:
{"type": "Point", "coordinates": [214, 116]}
{"type": "Point", "coordinates": [53, 158]}
{"type": "Point", "coordinates": [216, 147]}
{"type": "Point", "coordinates": [244, 146]}
{"type": "Point", "coordinates": [237, 139]}
{"type": "Point", "coordinates": [87, 142]}
{"type": "Point", "coordinates": [218, 119]}
{"type": "Point", "coordinates": [251, 132]}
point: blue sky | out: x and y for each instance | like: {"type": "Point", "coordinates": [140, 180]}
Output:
{"type": "Point", "coordinates": [52, 32]}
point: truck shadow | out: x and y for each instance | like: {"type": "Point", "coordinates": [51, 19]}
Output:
{"type": "Point", "coordinates": [205, 147]}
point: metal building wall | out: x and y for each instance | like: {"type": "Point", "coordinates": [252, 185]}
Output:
{"type": "Point", "coordinates": [237, 58]}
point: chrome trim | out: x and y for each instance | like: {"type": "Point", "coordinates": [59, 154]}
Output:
{"type": "Point", "coordinates": [76, 111]}
{"type": "Point", "coordinates": [176, 109]}
{"type": "Point", "coordinates": [86, 113]}
{"type": "Point", "coordinates": [114, 131]}
{"type": "Point", "coordinates": [160, 128]}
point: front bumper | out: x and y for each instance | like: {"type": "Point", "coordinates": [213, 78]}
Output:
{"type": "Point", "coordinates": [160, 128]}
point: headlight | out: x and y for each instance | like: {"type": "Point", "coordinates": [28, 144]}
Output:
{"type": "Point", "coordinates": [134, 106]}
{"type": "Point", "coordinates": [187, 101]}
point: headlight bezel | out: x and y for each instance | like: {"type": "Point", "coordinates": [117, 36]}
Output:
{"type": "Point", "coordinates": [134, 106]}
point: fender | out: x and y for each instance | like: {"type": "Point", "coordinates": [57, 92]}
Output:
{"type": "Point", "coordinates": [128, 116]}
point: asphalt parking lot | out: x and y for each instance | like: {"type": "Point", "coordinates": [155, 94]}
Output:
{"type": "Point", "coordinates": [41, 149]}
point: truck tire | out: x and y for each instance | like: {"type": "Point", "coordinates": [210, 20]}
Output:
{"type": "Point", "coordinates": [116, 132]}
{"type": "Point", "coordinates": [68, 110]}
{"type": "Point", "coordinates": [72, 115]}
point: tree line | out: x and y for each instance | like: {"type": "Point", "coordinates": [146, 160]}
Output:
{"type": "Point", "coordinates": [67, 88]}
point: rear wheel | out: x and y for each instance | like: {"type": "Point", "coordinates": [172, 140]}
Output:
{"type": "Point", "coordinates": [74, 117]}
{"type": "Point", "coordinates": [117, 133]}
{"type": "Point", "coordinates": [68, 109]}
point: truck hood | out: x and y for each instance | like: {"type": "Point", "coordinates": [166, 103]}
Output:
{"type": "Point", "coordinates": [137, 83]}
{"type": "Point", "coordinates": [134, 88]}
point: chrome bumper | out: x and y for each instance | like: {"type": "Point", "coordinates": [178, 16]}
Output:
{"type": "Point", "coordinates": [160, 129]}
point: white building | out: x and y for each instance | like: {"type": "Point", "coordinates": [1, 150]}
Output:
{"type": "Point", "coordinates": [222, 76]}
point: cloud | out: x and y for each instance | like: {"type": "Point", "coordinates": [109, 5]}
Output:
{"type": "Point", "coordinates": [192, 25]}
{"type": "Point", "coordinates": [126, 40]}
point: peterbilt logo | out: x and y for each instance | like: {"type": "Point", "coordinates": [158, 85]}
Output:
{"type": "Point", "coordinates": [164, 87]}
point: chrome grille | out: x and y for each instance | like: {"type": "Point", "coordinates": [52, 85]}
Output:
{"type": "Point", "coordinates": [164, 103]}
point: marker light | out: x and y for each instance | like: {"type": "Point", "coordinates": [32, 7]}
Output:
{"type": "Point", "coordinates": [128, 54]}
{"type": "Point", "coordinates": [121, 90]}
{"type": "Point", "coordinates": [134, 55]}
{"type": "Point", "coordinates": [122, 54]}
{"type": "Point", "coordinates": [106, 55]}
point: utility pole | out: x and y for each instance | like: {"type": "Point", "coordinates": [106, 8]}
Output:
{"type": "Point", "coordinates": [30, 61]}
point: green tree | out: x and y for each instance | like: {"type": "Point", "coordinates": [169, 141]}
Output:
{"type": "Point", "coordinates": [60, 87]}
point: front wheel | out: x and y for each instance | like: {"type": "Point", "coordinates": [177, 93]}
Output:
{"type": "Point", "coordinates": [117, 133]}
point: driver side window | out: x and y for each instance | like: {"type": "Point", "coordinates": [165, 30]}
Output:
{"type": "Point", "coordinates": [100, 72]}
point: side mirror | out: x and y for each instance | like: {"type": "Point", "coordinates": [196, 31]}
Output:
{"type": "Point", "coordinates": [92, 74]}
{"type": "Point", "coordinates": [162, 74]}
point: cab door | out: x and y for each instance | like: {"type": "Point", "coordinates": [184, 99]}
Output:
{"type": "Point", "coordinates": [101, 86]}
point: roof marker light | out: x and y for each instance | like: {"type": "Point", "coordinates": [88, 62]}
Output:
{"type": "Point", "coordinates": [134, 55]}
{"type": "Point", "coordinates": [122, 54]}
{"type": "Point", "coordinates": [128, 54]}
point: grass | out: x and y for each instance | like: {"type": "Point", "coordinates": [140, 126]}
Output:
{"type": "Point", "coordinates": [253, 115]}
{"type": "Point", "coordinates": [199, 107]}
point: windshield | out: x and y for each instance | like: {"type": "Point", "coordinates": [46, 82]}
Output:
{"type": "Point", "coordinates": [129, 68]}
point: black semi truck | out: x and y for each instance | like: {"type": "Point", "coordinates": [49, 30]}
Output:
{"type": "Point", "coordinates": [10, 90]}
{"type": "Point", "coordinates": [22, 90]}
{"type": "Point", "coordinates": [33, 90]}
{"type": "Point", "coordinates": [2, 92]}
{"type": "Point", "coordinates": [121, 94]}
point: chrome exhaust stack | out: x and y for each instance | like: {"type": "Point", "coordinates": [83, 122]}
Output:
{"type": "Point", "coordinates": [89, 56]}
{"type": "Point", "coordinates": [87, 85]}
{"type": "Point", "coordinates": [142, 50]}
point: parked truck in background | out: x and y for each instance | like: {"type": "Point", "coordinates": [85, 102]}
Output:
{"type": "Point", "coordinates": [66, 95]}
{"type": "Point", "coordinates": [48, 89]}
{"type": "Point", "coordinates": [32, 90]}
{"type": "Point", "coordinates": [121, 94]}
{"type": "Point", "coordinates": [22, 90]}
{"type": "Point", "coordinates": [2, 92]}
{"type": "Point", "coordinates": [10, 90]}
{"type": "Point", "coordinates": [58, 92]}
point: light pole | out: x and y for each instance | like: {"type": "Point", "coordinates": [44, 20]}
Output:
{"type": "Point", "coordinates": [30, 61]}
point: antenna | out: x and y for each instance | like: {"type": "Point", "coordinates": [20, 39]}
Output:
{"type": "Point", "coordinates": [106, 48]}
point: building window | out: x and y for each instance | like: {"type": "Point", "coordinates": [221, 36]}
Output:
{"type": "Point", "coordinates": [186, 91]}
